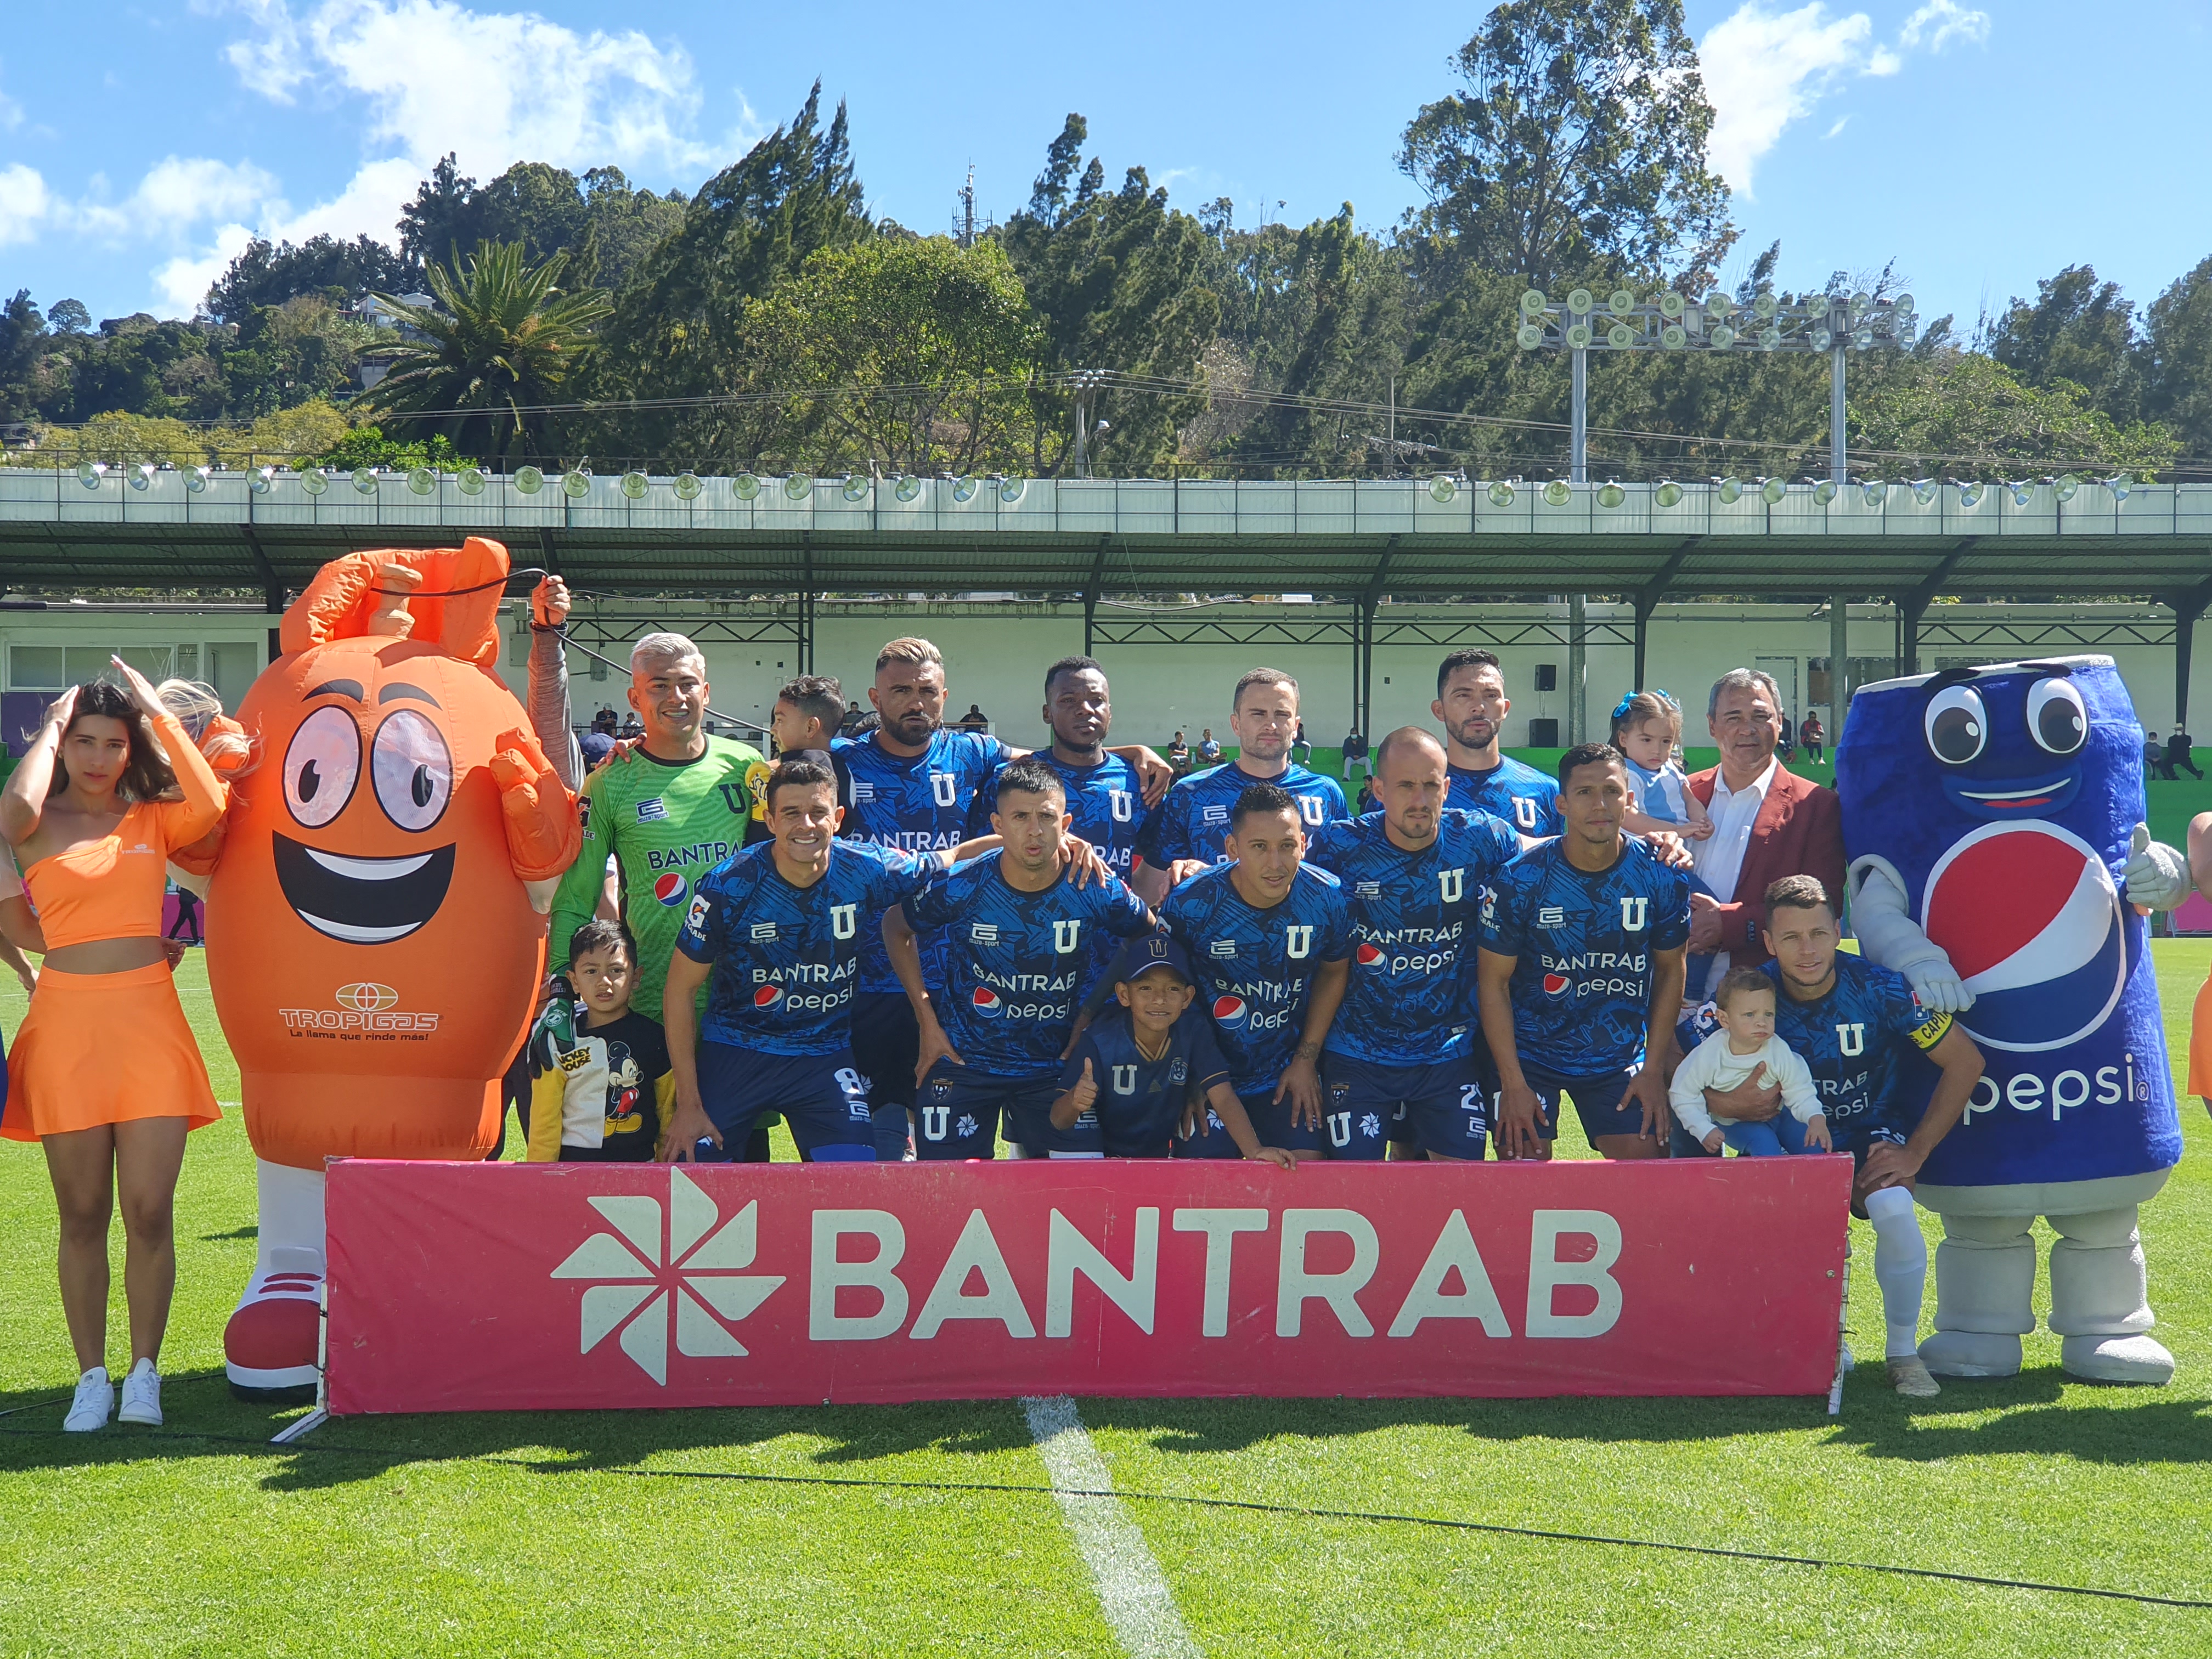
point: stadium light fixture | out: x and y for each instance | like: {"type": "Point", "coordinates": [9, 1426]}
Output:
{"type": "Point", "coordinates": [1773, 491]}
{"type": "Point", "coordinates": [2066, 487]}
{"type": "Point", "coordinates": [1923, 490]}
{"type": "Point", "coordinates": [1731, 490]}
{"type": "Point", "coordinates": [1580, 301]}
{"type": "Point", "coordinates": [908, 488]}
{"type": "Point", "coordinates": [469, 481]}
{"type": "Point", "coordinates": [1970, 495]}
{"type": "Point", "coordinates": [799, 486]}
{"type": "Point", "coordinates": [745, 486]}
{"type": "Point", "coordinates": [2120, 483]}
{"type": "Point", "coordinates": [635, 485]}
{"type": "Point", "coordinates": [423, 481]}
{"type": "Point", "coordinates": [528, 481]}
{"type": "Point", "coordinates": [1876, 493]}
{"type": "Point", "coordinates": [314, 481]}
{"type": "Point", "coordinates": [1010, 490]}
{"type": "Point", "coordinates": [1501, 493]}
{"type": "Point", "coordinates": [964, 488]}
{"type": "Point", "coordinates": [2022, 493]}
{"type": "Point", "coordinates": [576, 483]}
{"type": "Point", "coordinates": [262, 480]}
{"type": "Point", "coordinates": [687, 486]}
{"type": "Point", "coordinates": [1824, 492]}
{"type": "Point", "coordinates": [856, 487]}
{"type": "Point", "coordinates": [1610, 494]}
{"type": "Point", "coordinates": [141, 475]}
{"type": "Point", "coordinates": [1557, 493]}
{"type": "Point", "coordinates": [1442, 490]}
{"type": "Point", "coordinates": [1669, 494]}
{"type": "Point", "coordinates": [196, 479]}
{"type": "Point", "coordinates": [364, 480]}
{"type": "Point", "coordinates": [90, 473]}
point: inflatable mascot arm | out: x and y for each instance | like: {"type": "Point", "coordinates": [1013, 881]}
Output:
{"type": "Point", "coordinates": [376, 922]}
{"type": "Point", "coordinates": [1994, 821]}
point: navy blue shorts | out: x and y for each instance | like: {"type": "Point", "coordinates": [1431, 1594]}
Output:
{"type": "Point", "coordinates": [1440, 1107]}
{"type": "Point", "coordinates": [822, 1096]}
{"type": "Point", "coordinates": [1271, 1121]}
{"type": "Point", "coordinates": [957, 1109]}
{"type": "Point", "coordinates": [886, 1044]}
{"type": "Point", "coordinates": [1601, 1101]}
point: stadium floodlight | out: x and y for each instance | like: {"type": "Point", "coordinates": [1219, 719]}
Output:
{"type": "Point", "coordinates": [1923, 490]}
{"type": "Point", "coordinates": [423, 481]}
{"type": "Point", "coordinates": [745, 486]}
{"type": "Point", "coordinates": [528, 481]}
{"type": "Point", "coordinates": [1533, 302]}
{"type": "Point", "coordinates": [1764, 305]}
{"type": "Point", "coordinates": [89, 473]}
{"type": "Point", "coordinates": [964, 487]}
{"type": "Point", "coordinates": [1580, 301]}
{"type": "Point", "coordinates": [1501, 493]}
{"type": "Point", "coordinates": [314, 481]}
{"type": "Point", "coordinates": [1722, 336]}
{"type": "Point", "coordinates": [1770, 339]}
{"type": "Point", "coordinates": [469, 481]}
{"type": "Point", "coordinates": [576, 483]}
{"type": "Point", "coordinates": [635, 485]}
{"type": "Point", "coordinates": [1443, 489]}
{"type": "Point", "coordinates": [1010, 490]}
{"type": "Point", "coordinates": [1863, 339]}
{"type": "Point", "coordinates": [1876, 493]}
{"type": "Point", "coordinates": [1824, 492]}
{"type": "Point", "coordinates": [856, 487]}
{"type": "Point", "coordinates": [799, 487]}
{"type": "Point", "coordinates": [2022, 493]}
{"type": "Point", "coordinates": [1970, 495]}
{"type": "Point", "coordinates": [1673, 336]}
{"type": "Point", "coordinates": [141, 474]}
{"type": "Point", "coordinates": [2120, 484]}
{"type": "Point", "coordinates": [1773, 491]}
{"type": "Point", "coordinates": [1579, 336]}
{"type": "Point", "coordinates": [1670, 305]}
{"type": "Point", "coordinates": [1557, 493]}
{"type": "Point", "coordinates": [364, 480]}
{"type": "Point", "coordinates": [1610, 494]}
{"type": "Point", "coordinates": [196, 479]}
{"type": "Point", "coordinates": [1669, 494]}
{"type": "Point", "coordinates": [908, 488]}
{"type": "Point", "coordinates": [1731, 490]}
{"type": "Point", "coordinates": [687, 486]}
{"type": "Point", "coordinates": [1823, 338]}
{"type": "Point", "coordinates": [2066, 486]}
{"type": "Point", "coordinates": [1620, 337]}
{"type": "Point", "coordinates": [1622, 303]}
{"type": "Point", "coordinates": [1530, 335]}
{"type": "Point", "coordinates": [262, 480]}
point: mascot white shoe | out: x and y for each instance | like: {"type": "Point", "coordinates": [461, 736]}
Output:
{"type": "Point", "coordinates": [1994, 821]}
{"type": "Point", "coordinates": [375, 931]}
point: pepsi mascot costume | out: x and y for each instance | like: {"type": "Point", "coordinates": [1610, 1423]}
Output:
{"type": "Point", "coordinates": [1994, 821]}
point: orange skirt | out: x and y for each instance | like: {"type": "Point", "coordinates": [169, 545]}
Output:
{"type": "Point", "coordinates": [103, 1049]}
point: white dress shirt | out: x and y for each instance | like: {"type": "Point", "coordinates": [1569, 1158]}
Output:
{"type": "Point", "coordinates": [1718, 859]}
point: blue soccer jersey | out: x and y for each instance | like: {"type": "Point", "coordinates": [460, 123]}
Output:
{"type": "Point", "coordinates": [1140, 1101]}
{"type": "Point", "coordinates": [1413, 918]}
{"type": "Point", "coordinates": [1525, 797]}
{"type": "Point", "coordinates": [1859, 1042]}
{"type": "Point", "coordinates": [1014, 961]}
{"type": "Point", "coordinates": [1107, 802]}
{"type": "Point", "coordinates": [786, 959]}
{"type": "Point", "coordinates": [918, 803]}
{"type": "Point", "coordinates": [1192, 822]}
{"type": "Point", "coordinates": [1584, 942]}
{"type": "Point", "coordinates": [1255, 967]}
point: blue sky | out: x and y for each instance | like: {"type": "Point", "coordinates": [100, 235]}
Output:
{"type": "Point", "coordinates": [1980, 143]}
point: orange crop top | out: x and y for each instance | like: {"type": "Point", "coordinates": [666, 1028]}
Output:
{"type": "Point", "coordinates": [113, 888]}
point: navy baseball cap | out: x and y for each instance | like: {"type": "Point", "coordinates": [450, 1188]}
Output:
{"type": "Point", "coordinates": [1154, 950]}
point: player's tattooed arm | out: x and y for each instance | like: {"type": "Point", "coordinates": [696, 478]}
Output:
{"type": "Point", "coordinates": [689, 1124]}
{"type": "Point", "coordinates": [1962, 1063]}
{"type": "Point", "coordinates": [1518, 1108]}
{"type": "Point", "coordinates": [1239, 1122]}
{"type": "Point", "coordinates": [905, 962]}
{"type": "Point", "coordinates": [1301, 1080]}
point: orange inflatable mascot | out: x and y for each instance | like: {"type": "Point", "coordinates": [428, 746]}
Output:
{"type": "Point", "coordinates": [375, 930]}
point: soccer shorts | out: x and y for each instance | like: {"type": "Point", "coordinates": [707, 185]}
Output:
{"type": "Point", "coordinates": [886, 1043]}
{"type": "Point", "coordinates": [1858, 1140]}
{"type": "Point", "coordinates": [957, 1111]}
{"type": "Point", "coordinates": [820, 1096]}
{"type": "Point", "coordinates": [1271, 1121]}
{"type": "Point", "coordinates": [1439, 1107]}
{"type": "Point", "coordinates": [1601, 1101]}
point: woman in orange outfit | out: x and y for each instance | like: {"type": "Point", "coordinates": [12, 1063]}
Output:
{"type": "Point", "coordinates": [104, 1072]}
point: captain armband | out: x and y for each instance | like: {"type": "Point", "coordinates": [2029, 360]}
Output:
{"type": "Point", "coordinates": [1931, 1031]}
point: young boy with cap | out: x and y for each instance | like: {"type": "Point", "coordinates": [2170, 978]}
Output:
{"type": "Point", "coordinates": [1148, 1058]}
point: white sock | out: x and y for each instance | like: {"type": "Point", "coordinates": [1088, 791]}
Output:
{"type": "Point", "coordinates": [1901, 1267]}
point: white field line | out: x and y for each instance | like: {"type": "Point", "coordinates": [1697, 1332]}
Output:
{"type": "Point", "coordinates": [1132, 1592]}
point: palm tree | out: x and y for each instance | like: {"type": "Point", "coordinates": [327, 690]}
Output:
{"type": "Point", "coordinates": [504, 344]}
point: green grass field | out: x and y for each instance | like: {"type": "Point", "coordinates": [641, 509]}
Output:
{"type": "Point", "coordinates": [844, 1531]}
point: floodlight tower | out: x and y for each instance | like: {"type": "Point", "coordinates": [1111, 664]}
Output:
{"type": "Point", "coordinates": [1834, 325]}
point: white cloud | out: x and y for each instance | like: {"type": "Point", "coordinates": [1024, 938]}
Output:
{"type": "Point", "coordinates": [180, 193]}
{"type": "Point", "coordinates": [1940, 22]}
{"type": "Point", "coordinates": [1837, 130]}
{"type": "Point", "coordinates": [1765, 70]}
{"type": "Point", "coordinates": [25, 204]}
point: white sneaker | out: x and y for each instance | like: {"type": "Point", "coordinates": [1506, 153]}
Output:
{"type": "Point", "coordinates": [142, 1395]}
{"type": "Point", "coordinates": [95, 1400]}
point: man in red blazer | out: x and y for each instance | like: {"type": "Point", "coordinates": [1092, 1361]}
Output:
{"type": "Point", "coordinates": [1768, 822]}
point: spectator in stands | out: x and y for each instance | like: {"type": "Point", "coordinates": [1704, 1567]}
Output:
{"type": "Point", "coordinates": [975, 719]}
{"type": "Point", "coordinates": [855, 720]}
{"type": "Point", "coordinates": [1768, 822]}
{"type": "Point", "coordinates": [1788, 746]}
{"type": "Point", "coordinates": [1179, 753]}
{"type": "Point", "coordinates": [596, 745]}
{"type": "Point", "coordinates": [630, 727]}
{"type": "Point", "coordinates": [1355, 754]}
{"type": "Point", "coordinates": [2177, 755]}
{"type": "Point", "coordinates": [1209, 750]}
{"type": "Point", "coordinates": [1368, 800]}
{"type": "Point", "coordinates": [1301, 750]}
{"type": "Point", "coordinates": [2155, 763]}
{"type": "Point", "coordinates": [1814, 738]}
{"type": "Point", "coordinates": [604, 719]}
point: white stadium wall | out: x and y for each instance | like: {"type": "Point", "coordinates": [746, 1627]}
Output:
{"type": "Point", "coordinates": [996, 653]}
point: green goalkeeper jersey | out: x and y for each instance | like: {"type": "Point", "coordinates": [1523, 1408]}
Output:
{"type": "Point", "coordinates": [666, 823]}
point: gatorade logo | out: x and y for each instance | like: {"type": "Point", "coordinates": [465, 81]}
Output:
{"type": "Point", "coordinates": [1554, 983]}
{"type": "Point", "coordinates": [1229, 1011]}
{"type": "Point", "coordinates": [986, 1002]}
{"type": "Point", "coordinates": [768, 996]}
{"type": "Point", "coordinates": [1368, 956]}
{"type": "Point", "coordinates": [669, 887]}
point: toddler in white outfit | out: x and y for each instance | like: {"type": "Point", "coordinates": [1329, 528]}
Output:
{"type": "Point", "coordinates": [1744, 1044]}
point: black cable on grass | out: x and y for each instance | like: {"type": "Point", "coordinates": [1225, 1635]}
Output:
{"type": "Point", "coordinates": [1248, 1506]}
